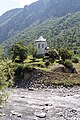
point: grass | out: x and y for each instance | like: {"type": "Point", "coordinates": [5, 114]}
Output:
{"type": "Point", "coordinates": [38, 63]}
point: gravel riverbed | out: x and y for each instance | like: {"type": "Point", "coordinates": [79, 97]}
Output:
{"type": "Point", "coordinates": [42, 104]}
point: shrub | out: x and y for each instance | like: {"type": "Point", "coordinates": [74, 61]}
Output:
{"type": "Point", "coordinates": [10, 83]}
{"type": "Point", "coordinates": [68, 64]}
{"type": "Point", "coordinates": [53, 54]}
{"type": "Point", "coordinates": [75, 60]}
{"type": "Point", "coordinates": [65, 54]}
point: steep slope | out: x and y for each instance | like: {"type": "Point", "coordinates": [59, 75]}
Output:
{"type": "Point", "coordinates": [58, 8]}
{"type": "Point", "coordinates": [60, 32]}
{"type": "Point", "coordinates": [6, 25]}
{"type": "Point", "coordinates": [8, 15]}
{"type": "Point", "coordinates": [13, 22]}
{"type": "Point", "coordinates": [23, 19]}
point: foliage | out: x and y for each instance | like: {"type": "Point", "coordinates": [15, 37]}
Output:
{"type": "Point", "coordinates": [6, 77]}
{"type": "Point", "coordinates": [53, 55]}
{"type": "Point", "coordinates": [68, 64]}
{"type": "Point", "coordinates": [19, 50]}
{"type": "Point", "coordinates": [1, 53]}
{"type": "Point", "coordinates": [59, 32]}
{"type": "Point", "coordinates": [3, 74]}
{"type": "Point", "coordinates": [65, 54]}
{"type": "Point", "coordinates": [16, 20]}
{"type": "Point", "coordinates": [32, 50]}
{"type": "Point", "coordinates": [75, 59]}
{"type": "Point", "coordinates": [3, 83]}
{"type": "Point", "coordinates": [6, 74]}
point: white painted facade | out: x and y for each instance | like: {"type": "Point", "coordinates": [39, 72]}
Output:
{"type": "Point", "coordinates": [41, 45]}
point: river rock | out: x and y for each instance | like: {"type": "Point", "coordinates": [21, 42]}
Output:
{"type": "Point", "coordinates": [31, 89]}
{"type": "Point", "coordinates": [73, 111]}
{"type": "Point", "coordinates": [22, 96]}
{"type": "Point", "coordinates": [41, 115]}
{"type": "Point", "coordinates": [14, 113]}
{"type": "Point", "coordinates": [2, 114]}
{"type": "Point", "coordinates": [19, 115]}
{"type": "Point", "coordinates": [35, 118]}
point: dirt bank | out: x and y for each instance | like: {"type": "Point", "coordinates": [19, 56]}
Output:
{"type": "Point", "coordinates": [38, 78]}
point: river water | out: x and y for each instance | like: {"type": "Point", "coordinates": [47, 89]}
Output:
{"type": "Point", "coordinates": [42, 104]}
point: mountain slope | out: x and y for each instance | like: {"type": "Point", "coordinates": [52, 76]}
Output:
{"type": "Point", "coordinates": [8, 15]}
{"type": "Point", "coordinates": [17, 20]}
{"type": "Point", "coordinates": [59, 32]}
{"type": "Point", "coordinates": [58, 8]}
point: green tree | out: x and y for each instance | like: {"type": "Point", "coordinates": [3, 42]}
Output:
{"type": "Point", "coordinates": [3, 76]}
{"type": "Point", "coordinates": [53, 55]}
{"type": "Point", "coordinates": [65, 54]}
{"type": "Point", "coordinates": [32, 50]}
{"type": "Point", "coordinates": [20, 51]}
{"type": "Point", "coordinates": [68, 64]}
{"type": "Point", "coordinates": [1, 53]}
{"type": "Point", "coordinates": [2, 80]}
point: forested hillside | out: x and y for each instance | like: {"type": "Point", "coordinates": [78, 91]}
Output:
{"type": "Point", "coordinates": [18, 20]}
{"type": "Point", "coordinates": [59, 32]}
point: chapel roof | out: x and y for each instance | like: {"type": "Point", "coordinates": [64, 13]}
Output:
{"type": "Point", "coordinates": [40, 39]}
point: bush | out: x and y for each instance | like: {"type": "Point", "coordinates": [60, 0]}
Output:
{"type": "Point", "coordinates": [65, 54]}
{"type": "Point", "coordinates": [53, 54]}
{"type": "Point", "coordinates": [68, 64]}
{"type": "Point", "coordinates": [47, 64]}
{"type": "Point", "coordinates": [75, 60]}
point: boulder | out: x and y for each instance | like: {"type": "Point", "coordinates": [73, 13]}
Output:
{"type": "Point", "coordinates": [41, 115]}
